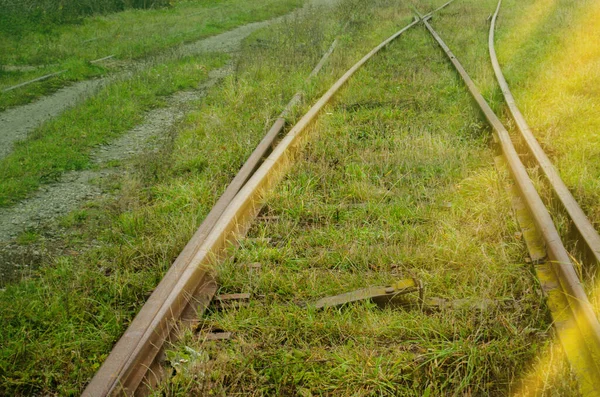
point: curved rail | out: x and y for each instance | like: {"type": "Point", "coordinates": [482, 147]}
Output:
{"type": "Point", "coordinates": [578, 304]}
{"type": "Point", "coordinates": [126, 368]}
{"type": "Point", "coordinates": [581, 222]}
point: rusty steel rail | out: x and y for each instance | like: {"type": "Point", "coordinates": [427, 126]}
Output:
{"type": "Point", "coordinates": [578, 305]}
{"type": "Point", "coordinates": [580, 221]}
{"type": "Point", "coordinates": [131, 363]}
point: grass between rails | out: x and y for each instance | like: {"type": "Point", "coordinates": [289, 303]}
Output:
{"type": "Point", "coordinates": [368, 204]}
{"type": "Point", "coordinates": [549, 56]}
{"type": "Point", "coordinates": [65, 143]}
{"type": "Point", "coordinates": [129, 35]}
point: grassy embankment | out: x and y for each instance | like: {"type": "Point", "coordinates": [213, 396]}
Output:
{"type": "Point", "coordinates": [400, 182]}
{"type": "Point", "coordinates": [129, 35]}
{"type": "Point", "coordinates": [64, 144]}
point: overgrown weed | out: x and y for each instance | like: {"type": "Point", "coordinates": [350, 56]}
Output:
{"type": "Point", "coordinates": [387, 189]}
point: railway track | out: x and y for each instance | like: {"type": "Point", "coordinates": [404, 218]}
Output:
{"type": "Point", "coordinates": [573, 317]}
{"type": "Point", "coordinates": [134, 365]}
{"type": "Point", "coordinates": [184, 292]}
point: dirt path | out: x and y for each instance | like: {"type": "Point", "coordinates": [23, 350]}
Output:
{"type": "Point", "coordinates": [17, 123]}
{"type": "Point", "coordinates": [56, 200]}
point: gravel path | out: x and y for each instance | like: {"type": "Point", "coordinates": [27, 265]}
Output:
{"type": "Point", "coordinates": [17, 123]}
{"type": "Point", "coordinates": [55, 200]}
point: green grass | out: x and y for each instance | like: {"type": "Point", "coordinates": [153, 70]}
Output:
{"type": "Point", "coordinates": [17, 17]}
{"type": "Point", "coordinates": [129, 35]}
{"type": "Point", "coordinates": [65, 143]}
{"type": "Point", "coordinates": [550, 59]}
{"type": "Point", "coordinates": [28, 237]}
{"type": "Point", "coordinates": [397, 182]}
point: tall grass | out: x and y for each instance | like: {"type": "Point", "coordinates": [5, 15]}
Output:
{"type": "Point", "coordinates": [17, 16]}
{"type": "Point", "coordinates": [40, 39]}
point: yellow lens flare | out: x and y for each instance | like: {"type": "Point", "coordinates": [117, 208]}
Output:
{"type": "Point", "coordinates": [559, 95]}
{"type": "Point", "coordinates": [528, 20]}
{"type": "Point", "coordinates": [548, 373]}
{"type": "Point", "coordinates": [562, 102]}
